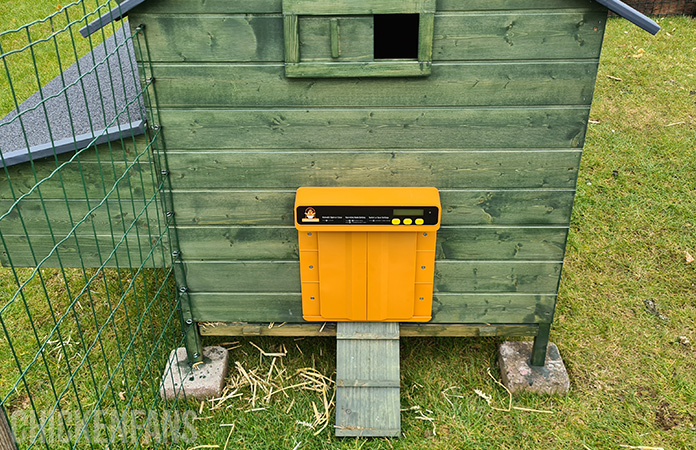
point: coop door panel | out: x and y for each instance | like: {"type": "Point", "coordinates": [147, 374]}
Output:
{"type": "Point", "coordinates": [391, 276]}
{"type": "Point", "coordinates": [343, 276]}
{"type": "Point", "coordinates": [358, 39]}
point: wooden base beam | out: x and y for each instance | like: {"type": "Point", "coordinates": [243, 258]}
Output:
{"type": "Point", "coordinates": [329, 329]}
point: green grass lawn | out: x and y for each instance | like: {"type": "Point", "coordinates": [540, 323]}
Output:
{"type": "Point", "coordinates": [20, 64]}
{"type": "Point", "coordinates": [632, 369]}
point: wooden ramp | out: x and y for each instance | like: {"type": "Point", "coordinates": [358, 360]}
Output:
{"type": "Point", "coordinates": [367, 379]}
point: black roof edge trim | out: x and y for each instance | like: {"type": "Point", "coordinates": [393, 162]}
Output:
{"type": "Point", "coordinates": [116, 13]}
{"type": "Point", "coordinates": [81, 141]}
{"type": "Point", "coordinates": [631, 15]}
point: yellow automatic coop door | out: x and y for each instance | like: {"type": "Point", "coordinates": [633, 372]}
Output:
{"type": "Point", "coordinates": [367, 253]}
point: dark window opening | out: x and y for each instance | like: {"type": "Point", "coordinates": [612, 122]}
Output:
{"type": "Point", "coordinates": [396, 36]}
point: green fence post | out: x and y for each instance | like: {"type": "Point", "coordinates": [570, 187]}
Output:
{"type": "Point", "coordinates": [541, 342]}
{"type": "Point", "coordinates": [194, 349]}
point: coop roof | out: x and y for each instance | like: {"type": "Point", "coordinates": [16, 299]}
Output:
{"type": "Point", "coordinates": [92, 102]}
{"type": "Point", "coordinates": [616, 6]}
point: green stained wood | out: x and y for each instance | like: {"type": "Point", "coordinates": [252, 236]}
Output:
{"type": "Point", "coordinates": [444, 169]}
{"type": "Point", "coordinates": [112, 215]}
{"type": "Point", "coordinates": [238, 243]}
{"type": "Point", "coordinates": [502, 276]}
{"type": "Point", "coordinates": [532, 207]}
{"type": "Point", "coordinates": [497, 308]}
{"type": "Point", "coordinates": [93, 170]}
{"type": "Point", "coordinates": [291, 36]}
{"type": "Point", "coordinates": [223, 37]}
{"type": "Point", "coordinates": [357, 37]}
{"type": "Point", "coordinates": [545, 127]}
{"type": "Point", "coordinates": [510, 86]}
{"type": "Point", "coordinates": [519, 35]}
{"type": "Point", "coordinates": [85, 251]}
{"type": "Point", "coordinates": [425, 32]}
{"type": "Point", "coordinates": [476, 36]}
{"type": "Point", "coordinates": [274, 6]}
{"type": "Point", "coordinates": [208, 7]}
{"type": "Point", "coordinates": [450, 276]}
{"type": "Point", "coordinates": [74, 179]}
{"type": "Point", "coordinates": [354, 35]}
{"type": "Point", "coordinates": [455, 84]}
{"type": "Point", "coordinates": [511, 244]}
{"type": "Point", "coordinates": [447, 308]}
{"type": "Point", "coordinates": [328, 329]}
{"type": "Point", "coordinates": [246, 307]}
{"type": "Point", "coordinates": [460, 207]}
{"type": "Point", "coordinates": [366, 69]}
{"type": "Point", "coordinates": [335, 44]}
{"type": "Point", "coordinates": [453, 243]}
{"type": "Point", "coordinates": [336, 7]}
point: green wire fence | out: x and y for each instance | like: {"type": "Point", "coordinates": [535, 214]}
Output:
{"type": "Point", "coordinates": [88, 305]}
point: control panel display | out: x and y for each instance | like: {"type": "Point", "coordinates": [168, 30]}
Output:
{"type": "Point", "coordinates": [366, 215]}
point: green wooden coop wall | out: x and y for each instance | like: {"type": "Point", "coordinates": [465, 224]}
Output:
{"type": "Point", "coordinates": [50, 212]}
{"type": "Point", "coordinates": [498, 127]}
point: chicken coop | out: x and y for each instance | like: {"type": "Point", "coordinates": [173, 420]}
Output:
{"type": "Point", "coordinates": [274, 119]}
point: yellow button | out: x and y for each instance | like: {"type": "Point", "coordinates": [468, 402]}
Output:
{"type": "Point", "coordinates": [408, 221]}
{"type": "Point", "coordinates": [396, 221]}
{"type": "Point", "coordinates": [420, 221]}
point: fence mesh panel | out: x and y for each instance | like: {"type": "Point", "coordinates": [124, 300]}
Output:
{"type": "Point", "coordinates": [88, 305]}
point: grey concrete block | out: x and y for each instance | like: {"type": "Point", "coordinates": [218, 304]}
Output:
{"type": "Point", "coordinates": [519, 376]}
{"type": "Point", "coordinates": [205, 380]}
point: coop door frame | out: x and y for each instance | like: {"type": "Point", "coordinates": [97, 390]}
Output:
{"type": "Point", "coordinates": [295, 68]}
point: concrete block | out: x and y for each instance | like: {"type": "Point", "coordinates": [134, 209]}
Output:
{"type": "Point", "coordinates": [519, 376]}
{"type": "Point", "coordinates": [206, 380]}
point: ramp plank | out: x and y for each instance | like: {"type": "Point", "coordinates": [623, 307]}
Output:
{"type": "Point", "coordinates": [367, 379]}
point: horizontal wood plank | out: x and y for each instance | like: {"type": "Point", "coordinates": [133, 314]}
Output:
{"type": "Point", "coordinates": [203, 38]}
{"type": "Point", "coordinates": [75, 178]}
{"type": "Point", "coordinates": [450, 276]}
{"type": "Point", "coordinates": [357, 7]}
{"type": "Point", "coordinates": [280, 244]}
{"type": "Point", "coordinates": [500, 308]}
{"type": "Point", "coordinates": [398, 128]}
{"type": "Point", "coordinates": [275, 6]}
{"type": "Point", "coordinates": [518, 35]}
{"type": "Point", "coordinates": [451, 308]}
{"type": "Point", "coordinates": [453, 243]}
{"type": "Point", "coordinates": [444, 169]}
{"type": "Point", "coordinates": [328, 329]}
{"type": "Point", "coordinates": [513, 244]}
{"type": "Point", "coordinates": [94, 170]}
{"type": "Point", "coordinates": [459, 207]}
{"type": "Point", "coordinates": [112, 215]}
{"type": "Point", "coordinates": [86, 251]}
{"type": "Point", "coordinates": [455, 84]}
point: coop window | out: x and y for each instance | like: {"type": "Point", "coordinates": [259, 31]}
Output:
{"type": "Point", "coordinates": [358, 38]}
{"type": "Point", "coordinates": [396, 36]}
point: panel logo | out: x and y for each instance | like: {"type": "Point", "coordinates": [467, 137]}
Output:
{"type": "Point", "coordinates": [310, 215]}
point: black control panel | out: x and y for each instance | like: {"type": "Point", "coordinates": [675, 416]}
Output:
{"type": "Point", "coordinates": [367, 215]}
